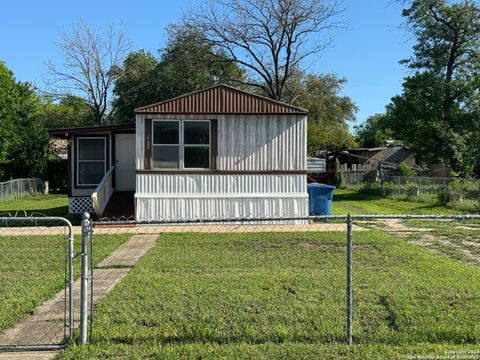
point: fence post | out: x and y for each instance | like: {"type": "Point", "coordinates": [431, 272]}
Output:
{"type": "Point", "coordinates": [398, 182]}
{"type": "Point", "coordinates": [84, 278]}
{"type": "Point", "coordinates": [349, 279]}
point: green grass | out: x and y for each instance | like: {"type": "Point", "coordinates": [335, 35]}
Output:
{"type": "Point", "coordinates": [32, 270]}
{"type": "Point", "coordinates": [50, 205]}
{"type": "Point", "coordinates": [363, 202]}
{"type": "Point", "coordinates": [271, 295]}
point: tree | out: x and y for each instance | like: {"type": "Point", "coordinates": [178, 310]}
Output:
{"type": "Point", "coordinates": [23, 140]}
{"type": "Point", "coordinates": [186, 64]}
{"type": "Point", "coordinates": [91, 63]}
{"type": "Point", "coordinates": [268, 38]}
{"type": "Point", "coordinates": [438, 108]}
{"type": "Point", "coordinates": [71, 111]}
{"type": "Point", "coordinates": [328, 112]}
{"type": "Point", "coordinates": [137, 86]}
{"type": "Point", "coordinates": [8, 100]}
{"type": "Point", "coordinates": [374, 131]}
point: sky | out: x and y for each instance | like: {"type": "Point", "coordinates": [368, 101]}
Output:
{"type": "Point", "coordinates": [367, 53]}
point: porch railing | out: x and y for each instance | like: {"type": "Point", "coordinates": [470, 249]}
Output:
{"type": "Point", "coordinates": [103, 192]}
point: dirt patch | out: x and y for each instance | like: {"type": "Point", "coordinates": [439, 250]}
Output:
{"type": "Point", "coordinates": [427, 239]}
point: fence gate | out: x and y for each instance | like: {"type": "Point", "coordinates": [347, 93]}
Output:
{"type": "Point", "coordinates": [36, 283]}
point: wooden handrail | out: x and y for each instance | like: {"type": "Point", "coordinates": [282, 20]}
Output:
{"type": "Point", "coordinates": [103, 192]}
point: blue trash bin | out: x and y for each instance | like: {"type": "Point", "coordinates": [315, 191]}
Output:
{"type": "Point", "coordinates": [320, 199]}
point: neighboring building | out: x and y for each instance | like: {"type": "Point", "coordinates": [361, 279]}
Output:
{"type": "Point", "coordinates": [215, 153]}
{"type": "Point", "coordinates": [372, 159]}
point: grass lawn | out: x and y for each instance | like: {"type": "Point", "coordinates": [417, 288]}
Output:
{"type": "Point", "coordinates": [32, 270]}
{"type": "Point", "coordinates": [363, 202]}
{"type": "Point", "coordinates": [272, 295]}
{"type": "Point", "coordinates": [50, 205]}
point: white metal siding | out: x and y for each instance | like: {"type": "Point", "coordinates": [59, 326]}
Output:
{"type": "Point", "coordinates": [240, 184]}
{"type": "Point", "coordinates": [218, 208]}
{"type": "Point", "coordinates": [245, 143]}
{"type": "Point", "coordinates": [202, 196]}
{"type": "Point", "coordinates": [249, 142]}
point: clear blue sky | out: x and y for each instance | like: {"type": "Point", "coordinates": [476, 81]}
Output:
{"type": "Point", "coordinates": [367, 54]}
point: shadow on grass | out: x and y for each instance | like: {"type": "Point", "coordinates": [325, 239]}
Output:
{"type": "Point", "coordinates": [59, 211]}
{"type": "Point", "coordinates": [361, 195]}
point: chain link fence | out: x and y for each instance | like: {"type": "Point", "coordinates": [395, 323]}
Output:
{"type": "Point", "coordinates": [327, 279]}
{"type": "Point", "coordinates": [363, 279]}
{"type": "Point", "coordinates": [18, 188]}
{"type": "Point", "coordinates": [457, 193]}
{"type": "Point", "coordinates": [36, 283]}
{"type": "Point", "coordinates": [462, 194]}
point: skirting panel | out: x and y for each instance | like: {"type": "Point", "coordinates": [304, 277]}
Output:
{"type": "Point", "coordinates": [79, 205]}
{"type": "Point", "coordinates": [149, 209]}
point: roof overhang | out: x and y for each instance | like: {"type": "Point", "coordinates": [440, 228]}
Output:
{"type": "Point", "coordinates": [66, 133]}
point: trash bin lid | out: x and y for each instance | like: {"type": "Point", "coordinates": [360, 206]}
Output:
{"type": "Point", "coordinates": [321, 186]}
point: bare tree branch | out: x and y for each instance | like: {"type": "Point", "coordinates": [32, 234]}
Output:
{"type": "Point", "coordinates": [268, 37]}
{"type": "Point", "coordinates": [92, 60]}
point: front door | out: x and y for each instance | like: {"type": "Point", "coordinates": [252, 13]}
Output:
{"type": "Point", "coordinates": [125, 162]}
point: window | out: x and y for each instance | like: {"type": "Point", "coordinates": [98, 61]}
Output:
{"type": "Point", "coordinates": [91, 160]}
{"type": "Point", "coordinates": [181, 144]}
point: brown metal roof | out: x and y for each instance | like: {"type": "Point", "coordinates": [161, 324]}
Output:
{"type": "Point", "coordinates": [220, 99]}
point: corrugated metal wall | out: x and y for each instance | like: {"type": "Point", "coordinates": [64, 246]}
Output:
{"type": "Point", "coordinates": [240, 185]}
{"type": "Point", "coordinates": [218, 208]}
{"type": "Point", "coordinates": [249, 142]}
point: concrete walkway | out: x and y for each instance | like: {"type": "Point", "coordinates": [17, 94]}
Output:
{"type": "Point", "coordinates": [46, 324]}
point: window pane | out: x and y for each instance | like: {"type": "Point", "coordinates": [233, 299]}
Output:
{"type": "Point", "coordinates": [165, 132]}
{"type": "Point", "coordinates": [91, 149]}
{"type": "Point", "coordinates": [90, 172]}
{"type": "Point", "coordinates": [196, 132]}
{"type": "Point", "coordinates": [166, 157]}
{"type": "Point", "coordinates": [197, 157]}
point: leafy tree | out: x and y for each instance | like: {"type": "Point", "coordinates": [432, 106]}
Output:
{"type": "Point", "coordinates": [329, 113]}
{"type": "Point", "coordinates": [8, 100]}
{"type": "Point", "coordinates": [71, 111]}
{"type": "Point", "coordinates": [438, 109]}
{"type": "Point", "coordinates": [374, 131]}
{"type": "Point", "coordinates": [137, 86]}
{"type": "Point", "coordinates": [24, 140]}
{"type": "Point", "coordinates": [186, 64]}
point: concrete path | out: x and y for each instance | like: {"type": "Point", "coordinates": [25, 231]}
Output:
{"type": "Point", "coordinates": [46, 323]}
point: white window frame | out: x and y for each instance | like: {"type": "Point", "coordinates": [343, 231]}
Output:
{"type": "Point", "coordinates": [181, 144]}
{"type": "Point", "coordinates": [104, 161]}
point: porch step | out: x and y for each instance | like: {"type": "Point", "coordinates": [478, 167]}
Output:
{"type": "Point", "coordinates": [121, 205]}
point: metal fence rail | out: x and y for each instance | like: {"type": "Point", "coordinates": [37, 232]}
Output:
{"type": "Point", "coordinates": [18, 188]}
{"type": "Point", "coordinates": [36, 283]}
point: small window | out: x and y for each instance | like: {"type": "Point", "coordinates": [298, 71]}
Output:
{"type": "Point", "coordinates": [196, 144]}
{"type": "Point", "coordinates": [91, 160]}
{"type": "Point", "coordinates": [181, 144]}
{"type": "Point", "coordinates": [166, 144]}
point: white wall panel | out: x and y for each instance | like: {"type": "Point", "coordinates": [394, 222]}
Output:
{"type": "Point", "coordinates": [221, 184]}
{"type": "Point", "coordinates": [249, 142]}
